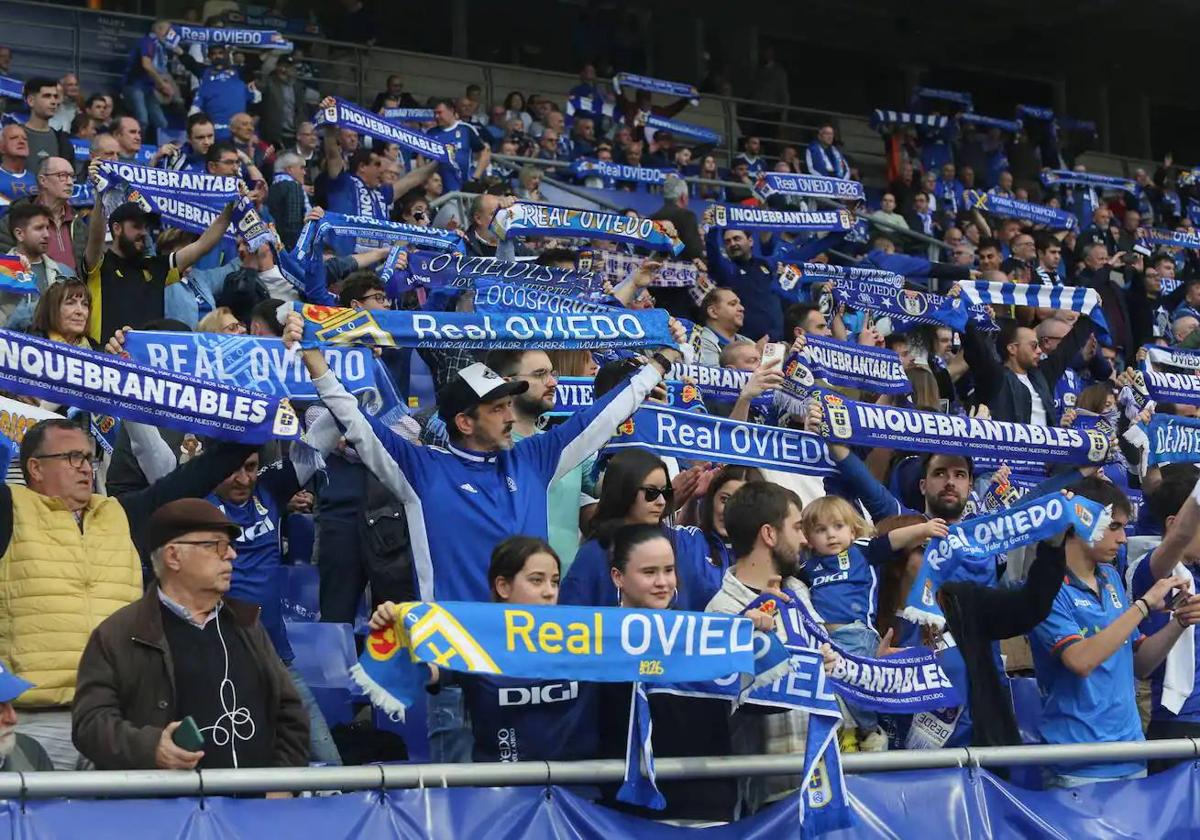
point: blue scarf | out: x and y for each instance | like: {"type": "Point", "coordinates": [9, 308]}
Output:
{"type": "Point", "coordinates": [884, 119]}
{"type": "Point", "coordinates": [256, 364]}
{"type": "Point", "coordinates": [886, 295]}
{"type": "Point", "coordinates": [1011, 126]}
{"type": "Point", "coordinates": [620, 171]}
{"type": "Point", "coordinates": [597, 644]}
{"type": "Point", "coordinates": [1172, 386]}
{"type": "Point", "coordinates": [654, 123]}
{"type": "Point", "coordinates": [1090, 179]}
{"type": "Point", "coordinates": [1172, 238]}
{"type": "Point", "coordinates": [1074, 298]}
{"type": "Point", "coordinates": [636, 82]}
{"type": "Point", "coordinates": [616, 267]}
{"type": "Point", "coordinates": [409, 115]}
{"type": "Point", "coordinates": [1174, 440]}
{"type": "Point", "coordinates": [739, 217]}
{"type": "Point", "coordinates": [258, 39]}
{"type": "Point", "coordinates": [371, 232]}
{"type": "Point", "coordinates": [909, 430]}
{"type": "Point", "coordinates": [496, 296]}
{"type": "Point", "coordinates": [11, 88]}
{"type": "Point", "coordinates": [251, 227]}
{"type": "Point", "coordinates": [1036, 112]}
{"type": "Point", "coordinates": [107, 384]}
{"type": "Point", "coordinates": [819, 186]}
{"type": "Point", "coordinates": [345, 115]}
{"type": "Point", "coordinates": [702, 437]}
{"type": "Point", "coordinates": [943, 95]}
{"type": "Point", "coordinates": [575, 392]}
{"type": "Point", "coordinates": [478, 331]}
{"type": "Point", "coordinates": [439, 271]}
{"type": "Point", "coordinates": [847, 365]}
{"type": "Point", "coordinates": [1014, 208]}
{"type": "Point", "coordinates": [217, 190]}
{"type": "Point", "coordinates": [973, 544]}
{"type": "Point", "coordinates": [522, 219]}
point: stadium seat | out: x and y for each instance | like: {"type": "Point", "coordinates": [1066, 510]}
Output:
{"type": "Point", "coordinates": [420, 383]}
{"type": "Point", "coordinates": [335, 704]}
{"type": "Point", "coordinates": [905, 482]}
{"type": "Point", "coordinates": [414, 730]}
{"type": "Point", "coordinates": [324, 652]}
{"type": "Point", "coordinates": [301, 534]}
{"type": "Point", "coordinates": [301, 593]}
{"type": "Point", "coordinates": [1027, 703]}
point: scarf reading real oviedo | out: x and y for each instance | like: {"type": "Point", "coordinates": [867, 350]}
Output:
{"type": "Point", "coordinates": [523, 219]}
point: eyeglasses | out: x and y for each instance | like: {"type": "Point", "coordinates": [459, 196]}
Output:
{"type": "Point", "coordinates": [75, 459]}
{"type": "Point", "coordinates": [236, 327]}
{"type": "Point", "coordinates": [541, 375]}
{"type": "Point", "coordinates": [652, 493]}
{"type": "Point", "coordinates": [65, 176]}
{"type": "Point", "coordinates": [220, 546]}
{"type": "Point", "coordinates": [376, 296]}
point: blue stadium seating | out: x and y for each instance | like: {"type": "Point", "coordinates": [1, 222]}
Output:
{"type": "Point", "coordinates": [301, 534]}
{"type": "Point", "coordinates": [420, 383]}
{"type": "Point", "coordinates": [301, 593]}
{"type": "Point", "coordinates": [414, 730]}
{"type": "Point", "coordinates": [324, 655]}
{"type": "Point", "coordinates": [1027, 703]}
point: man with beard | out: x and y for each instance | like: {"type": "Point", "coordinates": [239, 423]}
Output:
{"type": "Point", "coordinates": [763, 523]}
{"type": "Point", "coordinates": [18, 752]}
{"type": "Point", "coordinates": [127, 285]}
{"type": "Point", "coordinates": [733, 265]}
{"type": "Point", "coordinates": [562, 499]}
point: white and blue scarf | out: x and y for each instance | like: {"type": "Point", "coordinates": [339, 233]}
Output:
{"type": "Point", "coordinates": [1039, 214]}
{"type": "Point", "coordinates": [886, 295]}
{"type": "Point", "coordinates": [369, 232]}
{"type": "Point", "coordinates": [818, 186]}
{"type": "Point", "coordinates": [944, 95]}
{"type": "Point", "coordinates": [106, 384]}
{"type": "Point", "coordinates": [497, 296]}
{"type": "Point", "coordinates": [458, 271]}
{"type": "Point", "coordinates": [11, 88]}
{"type": "Point", "coordinates": [346, 115]}
{"type": "Point", "coordinates": [1171, 238]}
{"type": "Point", "coordinates": [1074, 298]}
{"type": "Point", "coordinates": [1091, 179]}
{"type": "Point", "coordinates": [973, 545]}
{"type": "Point", "coordinates": [653, 123]}
{"type": "Point", "coordinates": [886, 120]}
{"type": "Point", "coordinates": [409, 115]}
{"type": "Point", "coordinates": [1011, 126]}
{"type": "Point", "coordinates": [739, 217]}
{"type": "Point", "coordinates": [910, 430]}
{"type": "Point", "coordinates": [1173, 440]}
{"type": "Point", "coordinates": [575, 392]}
{"type": "Point", "coordinates": [701, 437]}
{"type": "Point", "coordinates": [1036, 112]}
{"type": "Point", "coordinates": [480, 331]}
{"type": "Point", "coordinates": [523, 219]}
{"type": "Point", "coordinates": [847, 365]}
{"type": "Point", "coordinates": [621, 171]}
{"type": "Point", "coordinates": [636, 82]}
{"type": "Point", "coordinates": [1170, 386]}
{"type": "Point", "coordinates": [255, 39]}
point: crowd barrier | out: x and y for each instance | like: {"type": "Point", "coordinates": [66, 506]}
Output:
{"type": "Point", "coordinates": [963, 802]}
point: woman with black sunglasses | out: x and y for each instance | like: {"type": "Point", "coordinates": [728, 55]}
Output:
{"type": "Point", "coordinates": [636, 490]}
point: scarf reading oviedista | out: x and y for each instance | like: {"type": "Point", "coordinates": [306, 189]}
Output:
{"type": "Point", "coordinates": [911, 430]}
{"type": "Point", "coordinates": [439, 271]}
{"type": "Point", "coordinates": [539, 220]}
{"type": "Point", "coordinates": [481, 331]}
{"type": "Point", "coordinates": [967, 552]}
{"type": "Point", "coordinates": [107, 384]}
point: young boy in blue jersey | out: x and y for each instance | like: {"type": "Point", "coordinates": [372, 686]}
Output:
{"type": "Point", "coordinates": [462, 141]}
{"type": "Point", "coordinates": [1174, 687]}
{"type": "Point", "coordinates": [842, 578]}
{"type": "Point", "coordinates": [1088, 651]}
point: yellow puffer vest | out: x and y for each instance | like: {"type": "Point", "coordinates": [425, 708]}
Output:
{"type": "Point", "coordinates": [57, 583]}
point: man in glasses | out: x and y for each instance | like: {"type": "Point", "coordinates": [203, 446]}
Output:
{"type": "Point", "coordinates": [186, 677]}
{"type": "Point", "coordinates": [71, 562]}
{"type": "Point", "coordinates": [67, 226]}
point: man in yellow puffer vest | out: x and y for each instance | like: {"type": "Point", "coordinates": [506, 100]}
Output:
{"type": "Point", "coordinates": [68, 561]}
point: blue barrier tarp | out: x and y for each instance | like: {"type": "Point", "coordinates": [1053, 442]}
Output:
{"type": "Point", "coordinates": [960, 803]}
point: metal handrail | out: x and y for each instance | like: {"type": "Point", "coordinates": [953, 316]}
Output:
{"type": "Point", "coordinates": [128, 784]}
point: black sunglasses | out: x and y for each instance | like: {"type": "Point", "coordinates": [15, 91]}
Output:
{"type": "Point", "coordinates": [652, 493]}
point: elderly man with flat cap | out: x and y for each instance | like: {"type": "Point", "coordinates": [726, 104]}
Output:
{"type": "Point", "coordinates": [185, 660]}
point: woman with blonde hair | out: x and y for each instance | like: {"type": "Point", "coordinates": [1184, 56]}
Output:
{"type": "Point", "coordinates": [221, 320]}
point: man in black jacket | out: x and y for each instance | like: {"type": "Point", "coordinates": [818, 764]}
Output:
{"type": "Point", "coordinates": [1012, 378]}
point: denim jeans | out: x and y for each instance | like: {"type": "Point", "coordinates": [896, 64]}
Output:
{"type": "Point", "coordinates": [320, 741]}
{"type": "Point", "coordinates": [451, 740]}
{"type": "Point", "coordinates": [858, 638]}
{"type": "Point", "coordinates": [146, 110]}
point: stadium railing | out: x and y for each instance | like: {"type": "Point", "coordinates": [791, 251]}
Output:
{"type": "Point", "coordinates": [128, 784]}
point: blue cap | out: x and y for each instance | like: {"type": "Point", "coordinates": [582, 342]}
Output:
{"type": "Point", "coordinates": [11, 686]}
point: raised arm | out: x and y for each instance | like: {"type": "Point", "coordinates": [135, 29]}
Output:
{"type": "Point", "coordinates": [189, 255]}
{"type": "Point", "coordinates": [414, 179]}
{"type": "Point", "coordinates": [97, 224]}
{"type": "Point", "coordinates": [334, 164]}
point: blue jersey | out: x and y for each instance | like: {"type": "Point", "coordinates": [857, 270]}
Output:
{"type": "Point", "coordinates": [845, 587]}
{"type": "Point", "coordinates": [530, 720]}
{"type": "Point", "coordinates": [463, 141]}
{"type": "Point", "coordinates": [135, 74]}
{"type": "Point", "coordinates": [221, 94]}
{"type": "Point", "coordinates": [348, 195]}
{"type": "Point", "coordinates": [1066, 390]}
{"type": "Point", "coordinates": [1143, 579]}
{"type": "Point", "coordinates": [589, 583]}
{"type": "Point", "coordinates": [259, 551]}
{"type": "Point", "coordinates": [1100, 706]}
{"type": "Point", "coordinates": [13, 187]}
{"type": "Point", "coordinates": [459, 503]}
